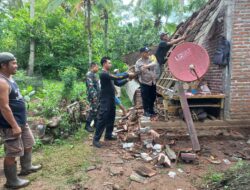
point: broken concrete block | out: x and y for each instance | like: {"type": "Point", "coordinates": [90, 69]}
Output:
{"type": "Point", "coordinates": [157, 148]}
{"type": "Point", "coordinates": [163, 160]}
{"type": "Point", "coordinates": [137, 178]}
{"type": "Point", "coordinates": [145, 171]}
{"type": "Point", "coordinates": [170, 153]}
{"type": "Point", "coordinates": [54, 122]}
{"type": "Point", "coordinates": [188, 157]}
{"type": "Point", "coordinates": [127, 145]}
{"type": "Point", "coordinates": [146, 157]}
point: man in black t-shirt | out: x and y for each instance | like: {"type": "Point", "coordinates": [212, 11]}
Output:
{"type": "Point", "coordinates": [163, 48]}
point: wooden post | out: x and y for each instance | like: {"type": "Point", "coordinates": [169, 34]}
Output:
{"type": "Point", "coordinates": [188, 118]}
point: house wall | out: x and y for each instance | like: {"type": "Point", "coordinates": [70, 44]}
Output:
{"type": "Point", "coordinates": [239, 103]}
{"type": "Point", "coordinates": [215, 74]}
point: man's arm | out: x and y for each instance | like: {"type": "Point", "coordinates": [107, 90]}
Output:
{"type": "Point", "coordinates": [5, 108]}
{"type": "Point", "coordinates": [175, 41]}
{"type": "Point", "coordinates": [121, 82]}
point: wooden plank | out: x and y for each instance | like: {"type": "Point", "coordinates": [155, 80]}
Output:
{"type": "Point", "coordinates": [188, 118]}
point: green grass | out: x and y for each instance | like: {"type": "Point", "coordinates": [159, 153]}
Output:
{"type": "Point", "coordinates": [2, 151]}
{"type": "Point", "coordinates": [236, 178]}
{"type": "Point", "coordinates": [64, 163]}
{"type": "Point", "coordinates": [125, 99]}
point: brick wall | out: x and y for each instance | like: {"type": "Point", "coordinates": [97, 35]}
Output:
{"type": "Point", "coordinates": [214, 76]}
{"type": "Point", "coordinates": [240, 72]}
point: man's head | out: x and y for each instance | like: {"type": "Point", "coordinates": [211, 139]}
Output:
{"type": "Point", "coordinates": [106, 63]}
{"type": "Point", "coordinates": [145, 52]}
{"type": "Point", "coordinates": [94, 67]}
{"type": "Point", "coordinates": [8, 63]}
{"type": "Point", "coordinates": [164, 36]}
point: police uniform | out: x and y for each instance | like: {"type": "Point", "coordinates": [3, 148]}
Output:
{"type": "Point", "coordinates": [106, 112]}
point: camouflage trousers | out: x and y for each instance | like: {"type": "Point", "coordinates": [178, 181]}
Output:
{"type": "Point", "coordinates": [93, 111]}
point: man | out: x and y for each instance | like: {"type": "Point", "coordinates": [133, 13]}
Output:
{"type": "Point", "coordinates": [17, 136]}
{"type": "Point", "coordinates": [106, 112]}
{"type": "Point", "coordinates": [146, 67]}
{"type": "Point", "coordinates": [93, 91]}
{"type": "Point", "coordinates": [163, 48]}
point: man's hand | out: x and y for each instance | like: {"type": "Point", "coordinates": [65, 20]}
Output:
{"type": "Point", "coordinates": [16, 131]}
{"type": "Point", "coordinates": [131, 75]}
{"type": "Point", "coordinates": [144, 67]}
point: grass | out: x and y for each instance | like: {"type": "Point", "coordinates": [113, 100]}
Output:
{"type": "Point", "coordinates": [236, 178]}
{"type": "Point", "coordinates": [64, 163]}
{"type": "Point", "coordinates": [125, 99]}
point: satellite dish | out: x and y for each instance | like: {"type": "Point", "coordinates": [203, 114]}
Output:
{"type": "Point", "coordinates": [188, 62]}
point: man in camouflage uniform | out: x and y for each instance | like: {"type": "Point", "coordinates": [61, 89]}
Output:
{"type": "Point", "coordinates": [93, 90]}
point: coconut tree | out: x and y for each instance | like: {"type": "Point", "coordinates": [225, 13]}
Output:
{"type": "Point", "coordinates": [32, 42]}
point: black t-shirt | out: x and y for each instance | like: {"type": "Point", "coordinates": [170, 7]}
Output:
{"type": "Point", "coordinates": [161, 52]}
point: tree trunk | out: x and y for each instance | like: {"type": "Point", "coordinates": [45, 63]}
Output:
{"type": "Point", "coordinates": [32, 42]}
{"type": "Point", "coordinates": [106, 21]}
{"type": "Point", "coordinates": [89, 30]}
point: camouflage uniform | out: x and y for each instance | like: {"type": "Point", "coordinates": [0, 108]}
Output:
{"type": "Point", "coordinates": [93, 91]}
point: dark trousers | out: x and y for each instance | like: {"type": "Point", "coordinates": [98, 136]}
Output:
{"type": "Point", "coordinates": [105, 118]}
{"type": "Point", "coordinates": [148, 94]}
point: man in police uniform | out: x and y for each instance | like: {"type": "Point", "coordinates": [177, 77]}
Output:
{"type": "Point", "coordinates": [106, 112]}
{"type": "Point", "coordinates": [93, 91]}
{"type": "Point", "coordinates": [17, 136]}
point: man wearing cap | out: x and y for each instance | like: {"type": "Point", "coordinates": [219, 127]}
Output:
{"type": "Point", "coordinates": [93, 92]}
{"type": "Point", "coordinates": [17, 136]}
{"type": "Point", "coordinates": [106, 112]}
{"type": "Point", "coordinates": [146, 67]}
{"type": "Point", "coordinates": [163, 48]}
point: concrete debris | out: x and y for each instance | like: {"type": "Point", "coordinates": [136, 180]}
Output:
{"type": "Point", "coordinates": [127, 145]}
{"type": "Point", "coordinates": [188, 157]}
{"type": "Point", "coordinates": [172, 174]}
{"type": "Point", "coordinates": [154, 134]}
{"type": "Point", "coordinates": [146, 157]}
{"type": "Point", "coordinates": [180, 170]}
{"type": "Point", "coordinates": [163, 160]}
{"type": "Point", "coordinates": [137, 178]}
{"type": "Point", "coordinates": [145, 171]}
{"type": "Point", "coordinates": [157, 148]}
{"type": "Point", "coordinates": [170, 153]}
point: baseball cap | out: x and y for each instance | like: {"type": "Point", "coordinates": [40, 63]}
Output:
{"type": "Point", "coordinates": [6, 57]}
{"type": "Point", "coordinates": [144, 49]}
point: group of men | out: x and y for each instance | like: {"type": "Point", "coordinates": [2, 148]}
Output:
{"type": "Point", "coordinates": [102, 97]}
{"type": "Point", "coordinates": [16, 134]}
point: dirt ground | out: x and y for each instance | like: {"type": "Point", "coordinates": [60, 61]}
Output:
{"type": "Point", "coordinates": [111, 166]}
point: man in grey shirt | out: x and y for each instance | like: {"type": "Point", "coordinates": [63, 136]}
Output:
{"type": "Point", "coordinates": [146, 67]}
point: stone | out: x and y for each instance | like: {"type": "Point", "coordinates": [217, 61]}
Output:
{"type": "Point", "coordinates": [137, 178]}
{"type": "Point", "coordinates": [170, 153]}
{"type": "Point", "coordinates": [114, 171]}
{"type": "Point", "coordinates": [145, 171]}
{"type": "Point", "coordinates": [127, 145]}
{"type": "Point", "coordinates": [188, 157]}
{"type": "Point", "coordinates": [163, 160]}
{"type": "Point", "coordinates": [157, 148]}
{"type": "Point", "coordinates": [146, 157]}
{"type": "Point", "coordinates": [171, 174]}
